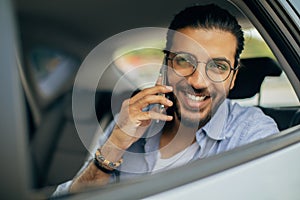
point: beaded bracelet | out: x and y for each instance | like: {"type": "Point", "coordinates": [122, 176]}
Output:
{"type": "Point", "coordinates": [98, 165]}
{"type": "Point", "coordinates": [106, 163]}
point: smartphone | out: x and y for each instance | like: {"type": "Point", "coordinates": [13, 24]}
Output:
{"type": "Point", "coordinates": [163, 81]}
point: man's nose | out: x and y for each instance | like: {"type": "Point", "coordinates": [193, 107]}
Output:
{"type": "Point", "coordinates": [198, 78]}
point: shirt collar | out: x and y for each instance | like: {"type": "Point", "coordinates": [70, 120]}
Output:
{"type": "Point", "coordinates": [214, 128]}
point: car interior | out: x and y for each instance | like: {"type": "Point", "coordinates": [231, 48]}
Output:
{"type": "Point", "coordinates": [55, 39]}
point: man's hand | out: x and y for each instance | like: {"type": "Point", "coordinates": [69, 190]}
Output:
{"type": "Point", "coordinates": [133, 120]}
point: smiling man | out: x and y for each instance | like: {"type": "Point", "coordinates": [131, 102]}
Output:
{"type": "Point", "coordinates": [201, 63]}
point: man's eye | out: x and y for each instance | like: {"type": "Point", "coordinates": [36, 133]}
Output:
{"type": "Point", "coordinates": [180, 60]}
{"type": "Point", "coordinates": [183, 62]}
{"type": "Point", "coordinates": [219, 65]}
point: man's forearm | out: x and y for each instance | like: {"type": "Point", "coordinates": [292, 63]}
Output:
{"type": "Point", "coordinates": [91, 175]}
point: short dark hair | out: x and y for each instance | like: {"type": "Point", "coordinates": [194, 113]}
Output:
{"type": "Point", "coordinates": [207, 17]}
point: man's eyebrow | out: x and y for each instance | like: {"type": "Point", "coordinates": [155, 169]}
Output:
{"type": "Point", "coordinates": [183, 52]}
{"type": "Point", "coordinates": [221, 58]}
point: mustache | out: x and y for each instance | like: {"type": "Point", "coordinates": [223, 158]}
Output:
{"type": "Point", "coordinates": [195, 91]}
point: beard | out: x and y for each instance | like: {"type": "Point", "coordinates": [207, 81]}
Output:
{"type": "Point", "coordinates": [192, 123]}
{"type": "Point", "coordinates": [191, 116]}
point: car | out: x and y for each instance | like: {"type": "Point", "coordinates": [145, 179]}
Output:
{"type": "Point", "coordinates": [66, 67]}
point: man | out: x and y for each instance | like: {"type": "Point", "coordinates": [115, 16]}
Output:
{"type": "Point", "coordinates": [202, 58]}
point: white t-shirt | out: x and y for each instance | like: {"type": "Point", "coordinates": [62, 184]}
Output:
{"type": "Point", "coordinates": [177, 160]}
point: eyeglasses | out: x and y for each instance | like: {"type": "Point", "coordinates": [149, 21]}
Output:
{"type": "Point", "coordinates": [185, 64]}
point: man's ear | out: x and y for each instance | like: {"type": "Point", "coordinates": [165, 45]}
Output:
{"type": "Point", "coordinates": [233, 79]}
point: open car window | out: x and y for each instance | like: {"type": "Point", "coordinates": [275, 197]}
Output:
{"type": "Point", "coordinates": [57, 117]}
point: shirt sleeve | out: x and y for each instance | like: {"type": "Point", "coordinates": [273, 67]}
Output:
{"type": "Point", "coordinates": [64, 188]}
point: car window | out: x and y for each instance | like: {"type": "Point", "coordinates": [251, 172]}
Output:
{"type": "Point", "coordinates": [53, 70]}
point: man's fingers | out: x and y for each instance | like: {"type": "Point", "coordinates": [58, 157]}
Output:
{"type": "Point", "coordinates": [151, 91]}
{"type": "Point", "coordinates": [152, 115]}
{"type": "Point", "coordinates": [153, 99]}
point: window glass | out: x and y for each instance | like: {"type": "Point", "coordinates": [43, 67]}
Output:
{"type": "Point", "coordinates": [52, 69]}
{"type": "Point", "coordinates": [141, 66]}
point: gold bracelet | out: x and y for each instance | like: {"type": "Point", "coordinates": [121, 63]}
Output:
{"type": "Point", "coordinates": [106, 163]}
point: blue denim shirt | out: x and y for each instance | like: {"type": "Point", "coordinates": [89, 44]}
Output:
{"type": "Point", "coordinates": [230, 127]}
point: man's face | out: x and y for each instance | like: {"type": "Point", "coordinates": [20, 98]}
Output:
{"type": "Point", "coordinates": [197, 96]}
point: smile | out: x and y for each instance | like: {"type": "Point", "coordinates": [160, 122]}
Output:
{"type": "Point", "coordinates": [195, 102]}
{"type": "Point", "coordinates": [195, 98]}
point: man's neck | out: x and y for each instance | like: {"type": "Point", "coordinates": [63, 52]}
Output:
{"type": "Point", "coordinates": [175, 138]}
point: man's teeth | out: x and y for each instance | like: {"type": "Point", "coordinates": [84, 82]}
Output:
{"type": "Point", "coordinates": [196, 98]}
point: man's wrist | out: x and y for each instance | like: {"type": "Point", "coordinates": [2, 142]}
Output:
{"type": "Point", "coordinates": [102, 168]}
{"type": "Point", "coordinates": [120, 140]}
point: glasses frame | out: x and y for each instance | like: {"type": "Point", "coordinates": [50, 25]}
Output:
{"type": "Point", "coordinates": [167, 53]}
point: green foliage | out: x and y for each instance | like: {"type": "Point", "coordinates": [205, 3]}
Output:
{"type": "Point", "coordinates": [256, 47]}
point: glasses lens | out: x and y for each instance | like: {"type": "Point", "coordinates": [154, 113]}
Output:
{"type": "Point", "coordinates": [217, 70]}
{"type": "Point", "coordinates": [184, 64]}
